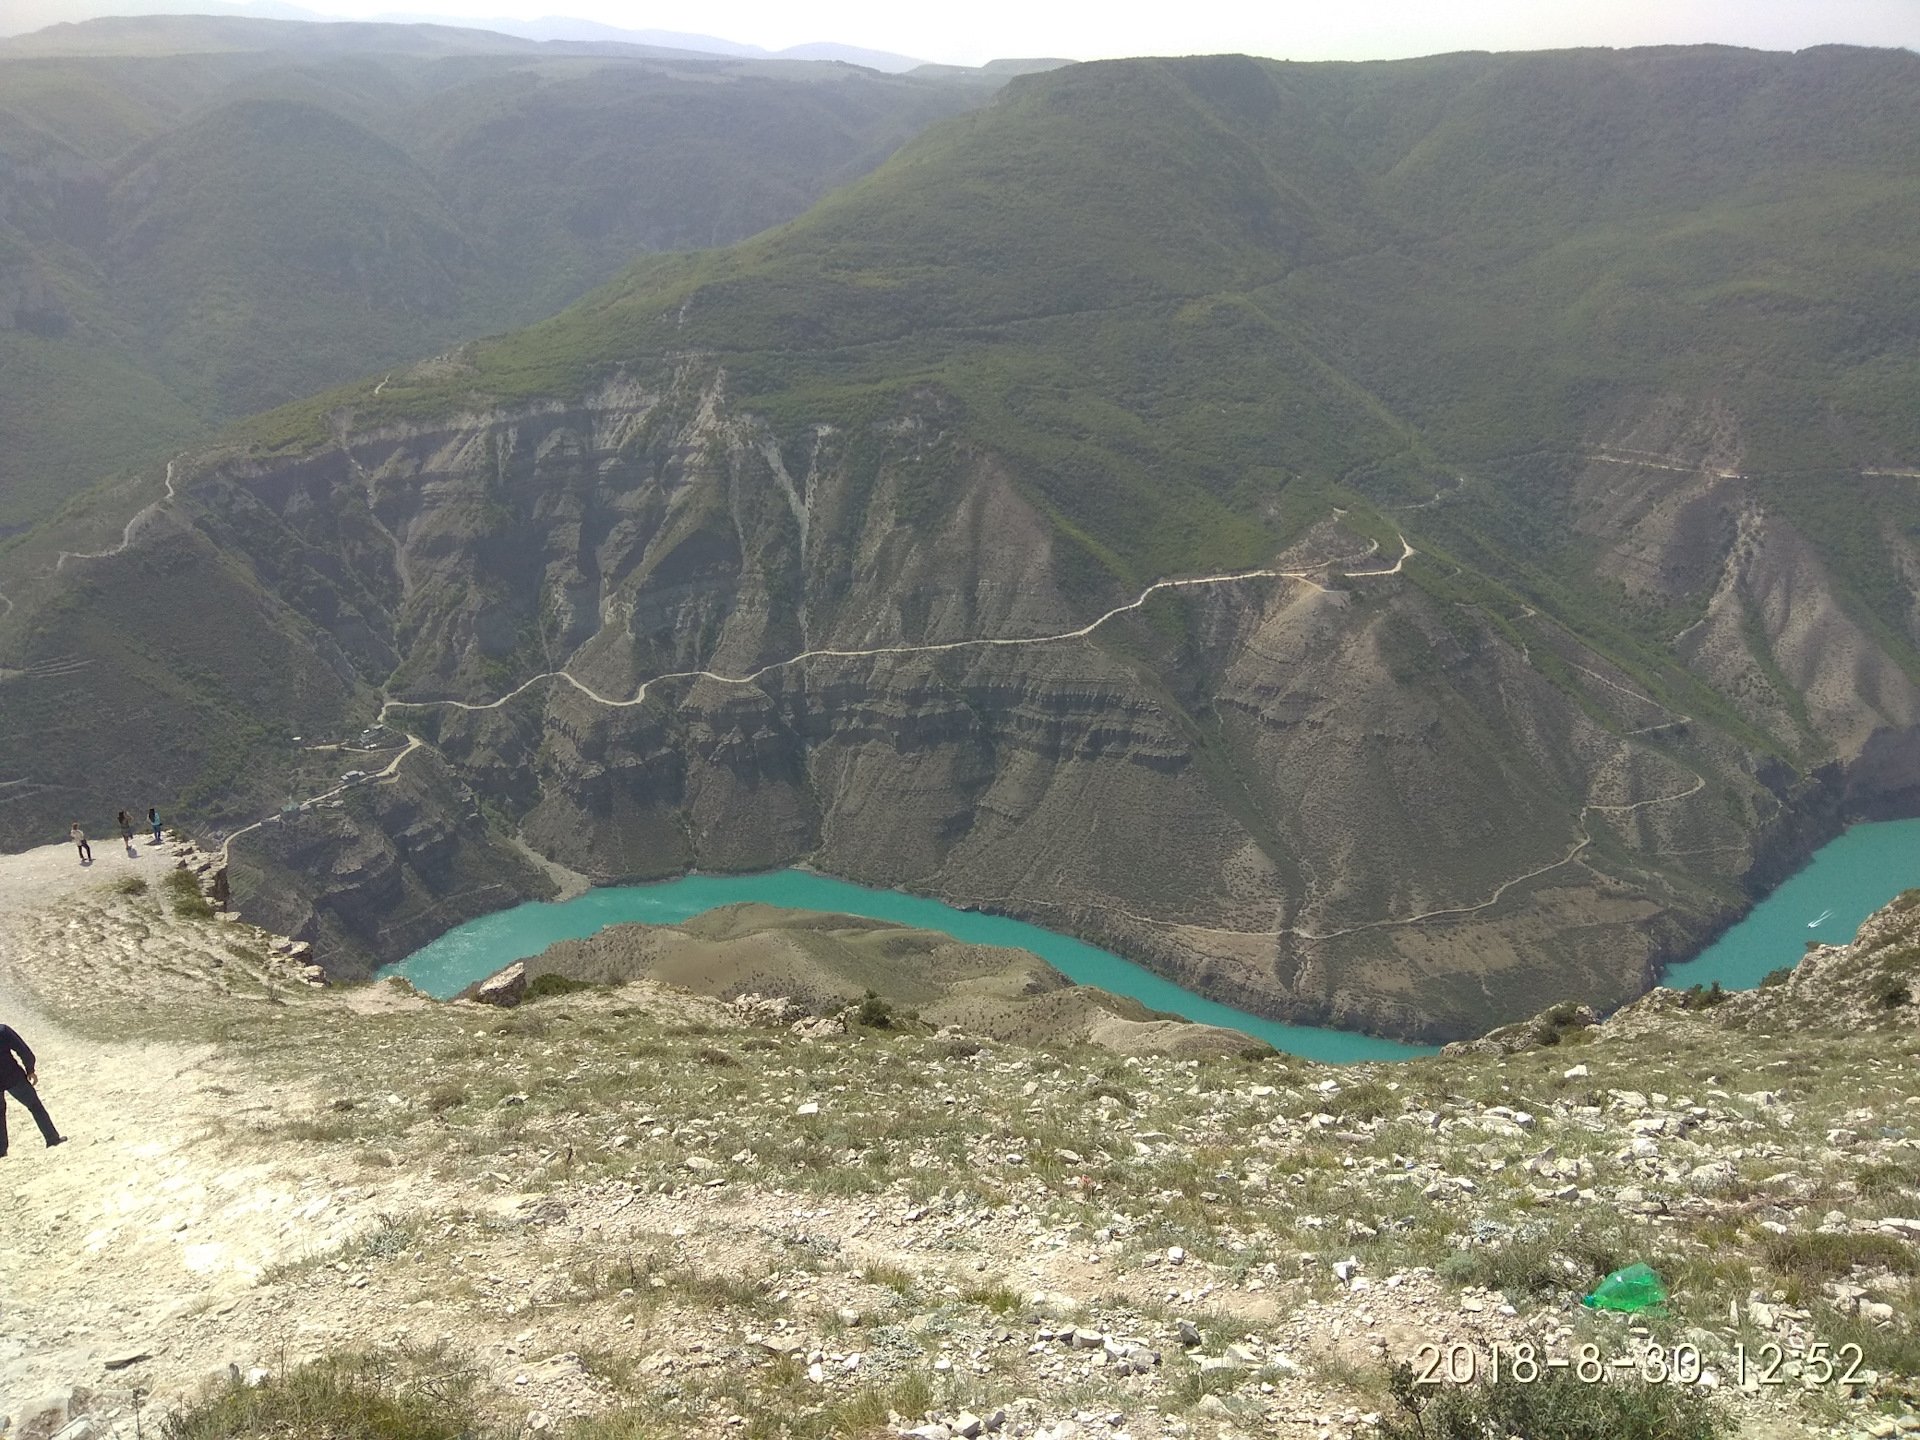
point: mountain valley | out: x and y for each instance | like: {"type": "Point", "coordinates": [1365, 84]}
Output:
{"type": "Point", "coordinates": [1552, 556]}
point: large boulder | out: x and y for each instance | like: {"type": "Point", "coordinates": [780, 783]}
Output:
{"type": "Point", "coordinates": [507, 988]}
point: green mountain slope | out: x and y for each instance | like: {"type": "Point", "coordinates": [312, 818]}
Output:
{"type": "Point", "coordinates": [201, 218]}
{"type": "Point", "coordinates": [1466, 257]}
{"type": "Point", "coordinates": [1563, 397]}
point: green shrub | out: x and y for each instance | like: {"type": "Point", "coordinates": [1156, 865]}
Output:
{"type": "Point", "coordinates": [1696, 998]}
{"type": "Point", "coordinates": [188, 902]}
{"type": "Point", "coordinates": [874, 1013]}
{"type": "Point", "coordinates": [131, 885]}
{"type": "Point", "coordinates": [1368, 1100]}
{"type": "Point", "coordinates": [1818, 1256]}
{"type": "Point", "coordinates": [1890, 993]}
{"type": "Point", "coordinates": [347, 1398]}
{"type": "Point", "coordinates": [543, 987]}
{"type": "Point", "coordinates": [1558, 1405]}
{"type": "Point", "coordinates": [1535, 1266]}
{"type": "Point", "coordinates": [1778, 977]}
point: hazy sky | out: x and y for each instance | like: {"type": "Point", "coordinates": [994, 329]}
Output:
{"type": "Point", "coordinates": [975, 30]}
{"type": "Point", "coordinates": [972, 31]}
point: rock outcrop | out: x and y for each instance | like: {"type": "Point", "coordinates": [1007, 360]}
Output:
{"type": "Point", "coordinates": [1262, 809]}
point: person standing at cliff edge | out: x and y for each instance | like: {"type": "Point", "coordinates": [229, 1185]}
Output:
{"type": "Point", "coordinates": [153, 819]}
{"type": "Point", "coordinates": [17, 1080]}
{"type": "Point", "coordinates": [79, 839]}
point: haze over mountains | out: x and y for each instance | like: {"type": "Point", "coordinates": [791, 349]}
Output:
{"type": "Point", "coordinates": [1565, 401]}
{"type": "Point", "coordinates": [200, 218]}
{"type": "Point", "coordinates": [25, 16]}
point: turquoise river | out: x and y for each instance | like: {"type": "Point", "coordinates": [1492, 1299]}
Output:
{"type": "Point", "coordinates": [1848, 880]}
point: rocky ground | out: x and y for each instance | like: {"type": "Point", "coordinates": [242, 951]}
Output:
{"type": "Point", "coordinates": [637, 1212]}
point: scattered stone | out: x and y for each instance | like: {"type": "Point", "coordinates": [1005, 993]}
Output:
{"type": "Point", "coordinates": [767, 1010]}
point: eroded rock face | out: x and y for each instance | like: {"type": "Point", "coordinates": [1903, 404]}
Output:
{"type": "Point", "coordinates": [386, 867]}
{"type": "Point", "coordinates": [505, 989]}
{"type": "Point", "coordinates": [1256, 786]}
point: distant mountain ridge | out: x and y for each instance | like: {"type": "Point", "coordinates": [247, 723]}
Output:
{"type": "Point", "coordinates": [27, 16]}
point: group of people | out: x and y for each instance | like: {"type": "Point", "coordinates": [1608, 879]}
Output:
{"type": "Point", "coordinates": [127, 826]}
{"type": "Point", "coordinates": [18, 1078]}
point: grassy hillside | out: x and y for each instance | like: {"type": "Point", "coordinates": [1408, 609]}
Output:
{"type": "Point", "coordinates": [1174, 287]}
{"type": "Point", "coordinates": [202, 218]}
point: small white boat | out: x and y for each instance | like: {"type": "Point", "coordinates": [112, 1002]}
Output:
{"type": "Point", "coordinates": [1824, 916]}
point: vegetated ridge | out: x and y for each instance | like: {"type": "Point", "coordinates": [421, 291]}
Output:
{"type": "Point", "coordinates": [1608, 349]}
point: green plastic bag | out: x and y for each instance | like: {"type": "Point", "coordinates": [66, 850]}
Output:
{"type": "Point", "coordinates": [1632, 1289]}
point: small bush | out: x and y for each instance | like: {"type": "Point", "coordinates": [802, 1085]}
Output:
{"type": "Point", "coordinates": [1890, 993]}
{"type": "Point", "coordinates": [1000, 1299]}
{"type": "Point", "coordinates": [544, 987]}
{"type": "Point", "coordinates": [1893, 1350]}
{"type": "Point", "coordinates": [1817, 1256]}
{"type": "Point", "coordinates": [1535, 1267]}
{"type": "Point", "coordinates": [1777, 977]}
{"type": "Point", "coordinates": [1888, 1177]}
{"type": "Point", "coordinates": [131, 885]}
{"type": "Point", "coordinates": [447, 1095]}
{"type": "Point", "coordinates": [188, 902]}
{"type": "Point", "coordinates": [1696, 998]}
{"type": "Point", "coordinates": [1561, 1022]}
{"type": "Point", "coordinates": [1368, 1100]}
{"type": "Point", "coordinates": [719, 1059]}
{"type": "Point", "coordinates": [390, 1239]}
{"type": "Point", "coordinates": [350, 1398]}
{"type": "Point", "coordinates": [874, 1013]}
{"type": "Point", "coordinates": [1558, 1405]}
{"type": "Point", "coordinates": [893, 1277]}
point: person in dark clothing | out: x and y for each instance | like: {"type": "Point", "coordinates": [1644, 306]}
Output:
{"type": "Point", "coordinates": [153, 819]}
{"type": "Point", "coordinates": [126, 828]}
{"type": "Point", "coordinates": [79, 839]}
{"type": "Point", "coordinates": [17, 1080]}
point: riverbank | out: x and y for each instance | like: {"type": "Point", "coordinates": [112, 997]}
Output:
{"type": "Point", "coordinates": [477, 949]}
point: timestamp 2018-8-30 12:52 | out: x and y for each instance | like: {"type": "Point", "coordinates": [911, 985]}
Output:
{"type": "Point", "coordinates": [1770, 1364]}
